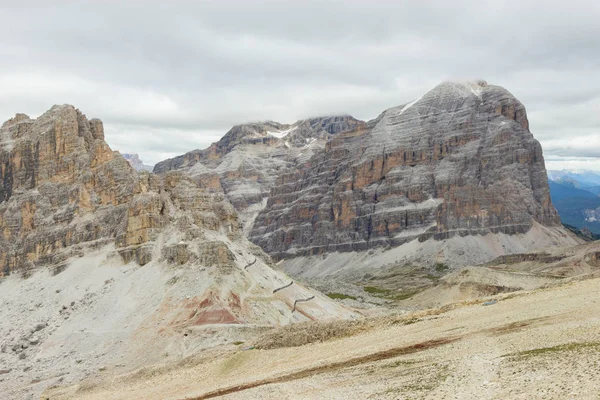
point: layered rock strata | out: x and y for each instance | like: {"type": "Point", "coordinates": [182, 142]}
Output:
{"type": "Point", "coordinates": [459, 161]}
{"type": "Point", "coordinates": [103, 267]}
{"type": "Point", "coordinates": [64, 191]}
{"type": "Point", "coordinates": [246, 162]}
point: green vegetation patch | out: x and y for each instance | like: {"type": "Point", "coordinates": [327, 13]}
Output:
{"type": "Point", "coordinates": [441, 267]}
{"type": "Point", "coordinates": [556, 349]}
{"type": "Point", "coordinates": [234, 362]}
{"type": "Point", "coordinates": [376, 291]}
{"type": "Point", "coordinates": [173, 280]}
{"type": "Point", "coordinates": [433, 278]}
{"type": "Point", "coordinates": [390, 294]}
{"type": "Point", "coordinates": [340, 296]}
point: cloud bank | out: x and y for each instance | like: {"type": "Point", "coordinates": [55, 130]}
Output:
{"type": "Point", "coordinates": [168, 77]}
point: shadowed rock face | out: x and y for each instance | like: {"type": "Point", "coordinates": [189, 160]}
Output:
{"type": "Point", "coordinates": [65, 192]}
{"type": "Point", "coordinates": [458, 161]}
{"type": "Point", "coordinates": [246, 162]}
{"type": "Point", "coordinates": [75, 217]}
{"type": "Point", "coordinates": [262, 133]}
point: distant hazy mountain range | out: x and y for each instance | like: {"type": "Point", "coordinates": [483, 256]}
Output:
{"type": "Point", "coordinates": [136, 163]}
{"type": "Point", "coordinates": [575, 196]}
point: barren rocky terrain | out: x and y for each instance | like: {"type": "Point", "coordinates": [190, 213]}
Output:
{"type": "Point", "coordinates": [541, 344]}
{"type": "Point", "coordinates": [247, 160]}
{"type": "Point", "coordinates": [101, 314]}
{"type": "Point", "coordinates": [329, 258]}
{"type": "Point", "coordinates": [101, 263]}
{"type": "Point", "coordinates": [458, 162]}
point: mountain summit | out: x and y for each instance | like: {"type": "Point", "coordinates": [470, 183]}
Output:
{"type": "Point", "coordinates": [460, 162]}
{"type": "Point", "coordinates": [246, 162]}
{"type": "Point", "coordinates": [136, 162]}
{"type": "Point", "coordinates": [454, 176]}
{"type": "Point", "coordinates": [100, 263]}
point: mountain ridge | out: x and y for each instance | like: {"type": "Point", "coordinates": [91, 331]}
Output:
{"type": "Point", "coordinates": [576, 199]}
{"type": "Point", "coordinates": [267, 132]}
{"type": "Point", "coordinates": [285, 197]}
{"type": "Point", "coordinates": [458, 161]}
{"type": "Point", "coordinates": [136, 162]}
{"type": "Point", "coordinates": [100, 263]}
{"type": "Point", "coordinates": [247, 160]}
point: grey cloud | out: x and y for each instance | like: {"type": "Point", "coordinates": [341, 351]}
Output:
{"type": "Point", "coordinates": [193, 69]}
{"type": "Point", "coordinates": [159, 143]}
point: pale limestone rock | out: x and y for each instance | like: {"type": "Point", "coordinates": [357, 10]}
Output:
{"type": "Point", "coordinates": [245, 163]}
{"type": "Point", "coordinates": [458, 161]}
{"type": "Point", "coordinates": [66, 192]}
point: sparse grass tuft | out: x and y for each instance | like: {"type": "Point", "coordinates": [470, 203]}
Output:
{"type": "Point", "coordinates": [340, 296]}
{"type": "Point", "coordinates": [420, 380]}
{"type": "Point", "coordinates": [400, 363]}
{"type": "Point", "coordinates": [236, 361]}
{"type": "Point", "coordinates": [441, 267]}
{"type": "Point", "coordinates": [309, 332]}
{"type": "Point", "coordinates": [555, 349]}
{"type": "Point", "coordinates": [376, 291]}
{"type": "Point", "coordinates": [173, 280]}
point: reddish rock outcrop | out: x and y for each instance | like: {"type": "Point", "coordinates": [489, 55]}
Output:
{"type": "Point", "coordinates": [64, 190]}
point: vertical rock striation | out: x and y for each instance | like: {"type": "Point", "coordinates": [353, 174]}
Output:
{"type": "Point", "coordinates": [75, 218]}
{"type": "Point", "coordinates": [458, 161]}
{"type": "Point", "coordinates": [64, 191]}
{"type": "Point", "coordinates": [246, 162]}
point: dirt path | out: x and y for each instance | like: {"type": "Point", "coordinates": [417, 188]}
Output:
{"type": "Point", "coordinates": [539, 345]}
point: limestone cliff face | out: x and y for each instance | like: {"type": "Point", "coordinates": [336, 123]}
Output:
{"type": "Point", "coordinates": [246, 162]}
{"type": "Point", "coordinates": [72, 207]}
{"type": "Point", "coordinates": [458, 161]}
{"type": "Point", "coordinates": [64, 190]}
{"type": "Point", "coordinates": [268, 134]}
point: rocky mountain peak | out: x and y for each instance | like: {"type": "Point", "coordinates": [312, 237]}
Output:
{"type": "Point", "coordinates": [321, 128]}
{"type": "Point", "coordinates": [159, 261]}
{"type": "Point", "coordinates": [66, 194]}
{"type": "Point", "coordinates": [449, 95]}
{"type": "Point", "coordinates": [263, 134]}
{"type": "Point", "coordinates": [135, 161]}
{"type": "Point", "coordinates": [18, 118]}
{"type": "Point", "coordinates": [65, 190]}
{"type": "Point", "coordinates": [249, 133]}
{"type": "Point", "coordinates": [458, 161]}
{"type": "Point", "coordinates": [247, 160]}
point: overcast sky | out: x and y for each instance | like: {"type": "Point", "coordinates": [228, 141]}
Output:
{"type": "Point", "coordinates": [167, 77]}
